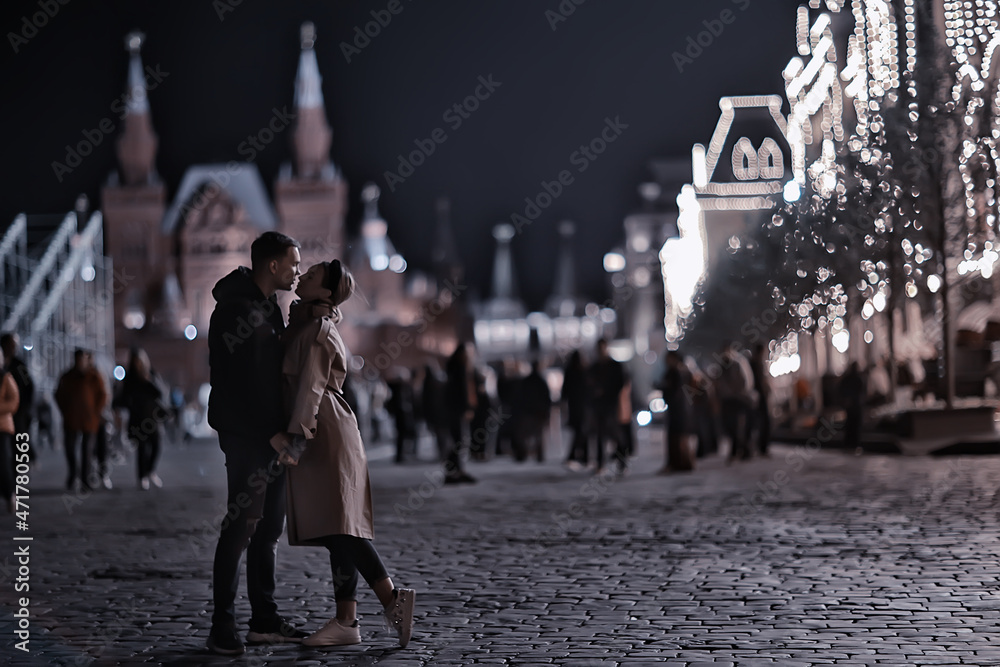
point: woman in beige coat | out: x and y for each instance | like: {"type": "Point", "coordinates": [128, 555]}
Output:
{"type": "Point", "coordinates": [329, 495]}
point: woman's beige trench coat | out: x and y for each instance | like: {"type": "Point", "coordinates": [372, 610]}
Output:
{"type": "Point", "coordinates": [328, 491]}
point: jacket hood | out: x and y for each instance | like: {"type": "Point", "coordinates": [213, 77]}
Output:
{"type": "Point", "coordinates": [238, 285]}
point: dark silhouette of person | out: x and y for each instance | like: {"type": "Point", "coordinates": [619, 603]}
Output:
{"type": "Point", "coordinates": [480, 435]}
{"type": "Point", "coordinates": [435, 408]}
{"type": "Point", "coordinates": [508, 440]}
{"type": "Point", "coordinates": [704, 410]}
{"type": "Point", "coordinates": [577, 395]}
{"type": "Point", "coordinates": [536, 410]}
{"type": "Point", "coordinates": [734, 387]}
{"type": "Point", "coordinates": [853, 392]}
{"type": "Point", "coordinates": [762, 409]}
{"type": "Point", "coordinates": [401, 406]}
{"type": "Point", "coordinates": [676, 389]}
{"type": "Point", "coordinates": [143, 397]}
{"type": "Point", "coordinates": [608, 379]}
{"type": "Point", "coordinates": [461, 401]}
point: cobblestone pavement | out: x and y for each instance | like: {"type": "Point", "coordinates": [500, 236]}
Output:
{"type": "Point", "coordinates": [807, 557]}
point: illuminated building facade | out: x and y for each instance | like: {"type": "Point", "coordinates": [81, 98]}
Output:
{"type": "Point", "coordinates": [173, 253]}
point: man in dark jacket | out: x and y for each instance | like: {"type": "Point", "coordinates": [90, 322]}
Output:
{"type": "Point", "coordinates": [245, 407]}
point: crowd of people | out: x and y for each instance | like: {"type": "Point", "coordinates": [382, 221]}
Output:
{"type": "Point", "coordinates": [100, 424]}
{"type": "Point", "coordinates": [595, 402]}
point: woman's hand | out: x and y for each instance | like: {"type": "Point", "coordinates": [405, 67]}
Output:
{"type": "Point", "coordinates": [291, 454]}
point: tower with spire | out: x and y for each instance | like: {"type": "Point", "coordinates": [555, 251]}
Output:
{"type": "Point", "coordinates": [311, 195]}
{"type": "Point", "coordinates": [504, 302]}
{"type": "Point", "coordinates": [564, 301]}
{"type": "Point", "coordinates": [133, 203]}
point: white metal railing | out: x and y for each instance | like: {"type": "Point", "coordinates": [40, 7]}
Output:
{"type": "Point", "coordinates": [62, 300]}
{"type": "Point", "coordinates": [45, 267]}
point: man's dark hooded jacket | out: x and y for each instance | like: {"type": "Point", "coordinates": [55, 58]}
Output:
{"type": "Point", "coordinates": [245, 355]}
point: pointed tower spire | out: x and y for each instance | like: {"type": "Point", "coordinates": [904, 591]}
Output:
{"type": "Point", "coordinates": [563, 300]}
{"type": "Point", "coordinates": [504, 287]}
{"type": "Point", "coordinates": [137, 143]}
{"type": "Point", "coordinates": [312, 136]}
{"type": "Point", "coordinates": [445, 255]}
{"type": "Point", "coordinates": [504, 303]}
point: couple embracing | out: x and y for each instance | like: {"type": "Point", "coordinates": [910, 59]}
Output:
{"type": "Point", "coordinates": [290, 440]}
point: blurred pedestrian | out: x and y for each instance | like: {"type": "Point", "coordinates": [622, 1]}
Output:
{"type": "Point", "coordinates": [102, 442]}
{"type": "Point", "coordinates": [853, 392]}
{"type": "Point", "coordinates": [536, 411]}
{"type": "Point", "coordinates": [329, 493]}
{"type": "Point", "coordinates": [461, 401]}
{"type": "Point", "coordinates": [676, 389]}
{"type": "Point", "coordinates": [508, 440]}
{"type": "Point", "coordinates": [481, 436]}
{"type": "Point", "coordinates": [625, 420]}
{"type": "Point", "coordinates": [608, 379]}
{"type": "Point", "coordinates": [46, 437]}
{"type": "Point", "coordinates": [762, 408]}
{"type": "Point", "coordinates": [435, 408]}
{"type": "Point", "coordinates": [401, 406]}
{"type": "Point", "coordinates": [734, 388]}
{"type": "Point", "coordinates": [143, 397]}
{"type": "Point", "coordinates": [9, 402]}
{"type": "Point", "coordinates": [577, 396]}
{"type": "Point", "coordinates": [704, 410]}
{"type": "Point", "coordinates": [23, 418]}
{"type": "Point", "coordinates": [81, 397]}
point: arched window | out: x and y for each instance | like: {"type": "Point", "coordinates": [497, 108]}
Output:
{"type": "Point", "coordinates": [744, 160]}
{"type": "Point", "coordinates": [769, 160]}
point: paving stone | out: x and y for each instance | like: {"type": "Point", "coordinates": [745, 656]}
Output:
{"type": "Point", "coordinates": [849, 565]}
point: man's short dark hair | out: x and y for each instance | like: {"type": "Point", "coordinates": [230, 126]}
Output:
{"type": "Point", "coordinates": [268, 246]}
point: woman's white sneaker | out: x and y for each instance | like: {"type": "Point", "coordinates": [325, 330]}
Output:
{"type": "Point", "coordinates": [335, 634]}
{"type": "Point", "coordinates": [399, 615]}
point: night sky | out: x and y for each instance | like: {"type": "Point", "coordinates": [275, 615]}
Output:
{"type": "Point", "coordinates": [223, 79]}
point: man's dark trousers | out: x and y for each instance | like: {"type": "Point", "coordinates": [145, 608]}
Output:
{"type": "Point", "coordinates": [254, 521]}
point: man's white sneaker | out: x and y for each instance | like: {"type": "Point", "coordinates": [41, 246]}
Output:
{"type": "Point", "coordinates": [399, 615]}
{"type": "Point", "coordinates": [335, 634]}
